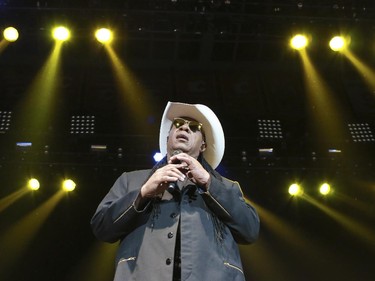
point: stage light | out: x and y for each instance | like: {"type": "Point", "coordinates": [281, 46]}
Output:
{"type": "Point", "coordinates": [338, 43]}
{"type": "Point", "coordinates": [361, 132]}
{"type": "Point", "coordinates": [10, 34]}
{"type": "Point", "coordinates": [82, 124]}
{"type": "Point", "coordinates": [158, 156]}
{"type": "Point", "coordinates": [325, 189]}
{"type": "Point", "coordinates": [104, 35]}
{"type": "Point", "coordinates": [98, 147]}
{"type": "Point", "coordinates": [299, 42]}
{"type": "Point", "coordinates": [61, 33]}
{"type": "Point", "coordinates": [265, 152]}
{"type": "Point", "coordinates": [295, 189]}
{"type": "Point", "coordinates": [5, 117]}
{"type": "Point", "coordinates": [33, 184]}
{"type": "Point", "coordinates": [270, 129]}
{"type": "Point", "coordinates": [68, 185]}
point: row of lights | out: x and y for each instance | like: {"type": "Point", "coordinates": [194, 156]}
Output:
{"type": "Point", "coordinates": [67, 185]}
{"type": "Point", "coordinates": [268, 129]}
{"type": "Point", "coordinates": [105, 35]}
{"type": "Point", "coordinates": [337, 43]}
{"type": "Point", "coordinates": [296, 189]}
{"type": "Point", "coordinates": [61, 33]}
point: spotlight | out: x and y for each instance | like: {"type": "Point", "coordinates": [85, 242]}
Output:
{"type": "Point", "coordinates": [104, 35]}
{"type": "Point", "coordinates": [10, 34]}
{"type": "Point", "coordinates": [61, 33]}
{"type": "Point", "coordinates": [295, 189]}
{"type": "Point", "coordinates": [33, 184]}
{"type": "Point", "coordinates": [325, 189]}
{"type": "Point", "coordinates": [299, 42]}
{"type": "Point", "coordinates": [68, 185]}
{"type": "Point", "coordinates": [338, 43]}
{"type": "Point", "coordinates": [158, 156]}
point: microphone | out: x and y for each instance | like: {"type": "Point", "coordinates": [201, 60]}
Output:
{"type": "Point", "coordinates": [172, 186]}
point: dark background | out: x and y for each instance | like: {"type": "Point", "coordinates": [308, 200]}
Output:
{"type": "Point", "coordinates": [232, 56]}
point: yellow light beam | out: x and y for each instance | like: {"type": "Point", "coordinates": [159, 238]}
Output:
{"type": "Point", "coordinates": [135, 98]}
{"type": "Point", "coordinates": [37, 109]}
{"type": "Point", "coordinates": [350, 224]}
{"type": "Point", "coordinates": [298, 243]}
{"type": "Point", "coordinates": [11, 198]}
{"type": "Point", "coordinates": [18, 237]}
{"type": "Point", "coordinates": [326, 114]}
{"type": "Point", "coordinates": [365, 208]}
{"type": "Point", "coordinates": [263, 262]}
{"type": "Point", "coordinates": [97, 265]}
{"type": "Point", "coordinates": [367, 73]}
{"type": "Point", "coordinates": [287, 232]}
{"type": "Point", "coordinates": [3, 44]}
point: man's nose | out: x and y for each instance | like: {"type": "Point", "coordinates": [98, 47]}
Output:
{"type": "Point", "coordinates": [185, 127]}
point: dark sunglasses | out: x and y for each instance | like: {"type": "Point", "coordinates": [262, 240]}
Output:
{"type": "Point", "coordinates": [193, 125]}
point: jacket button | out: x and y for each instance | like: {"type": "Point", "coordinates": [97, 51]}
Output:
{"type": "Point", "coordinates": [173, 215]}
{"type": "Point", "coordinates": [168, 261]}
{"type": "Point", "coordinates": [170, 235]}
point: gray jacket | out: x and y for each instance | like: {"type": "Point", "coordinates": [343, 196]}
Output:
{"type": "Point", "coordinates": [211, 224]}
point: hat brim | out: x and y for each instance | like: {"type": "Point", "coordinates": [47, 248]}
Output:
{"type": "Point", "coordinates": [211, 125]}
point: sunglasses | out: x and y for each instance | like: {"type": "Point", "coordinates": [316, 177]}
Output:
{"type": "Point", "coordinates": [193, 125]}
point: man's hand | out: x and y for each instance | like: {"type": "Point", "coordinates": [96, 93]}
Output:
{"type": "Point", "coordinates": [192, 168]}
{"type": "Point", "coordinates": [159, 180]}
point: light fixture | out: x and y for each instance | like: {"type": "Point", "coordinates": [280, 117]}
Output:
{"type": "Point", "coordinates": [33, 184]}
{"type": "Point", "coordinates": [5, 118]}
{"type": "Point", "coordinates": [82, 124]}
{"type": "Point", "coordinates": [10, 34]}
{"type": "Point", "coordinates": [104, 35]}
{"type": "Point", "coordinates": [158, 156]}
{"type": "Point", "coordinates": [23, 146]}
{"type": "Point", "coordinates": [299, 42]}
{"type": "Point", "coordinates": [68, 185]}
{"type": "Point", "coordinates": [295, 189]}
{"type": "Point", "coordinates": [270, 129]}
{"type": "Point", "coordinates": [98, 147]}
{"type": "Point", "coordinates": [61, 33]}
{"type": "Point", "coordinates": [361, 132]}
{"type": "Point", "coordinates": [325, 189]}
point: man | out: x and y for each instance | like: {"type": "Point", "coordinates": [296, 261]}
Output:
{"type": "Point", "coordinates": [180, 220]}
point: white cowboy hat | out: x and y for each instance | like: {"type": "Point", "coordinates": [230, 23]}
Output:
{"type": "Point", "coordinates": [211, 126]}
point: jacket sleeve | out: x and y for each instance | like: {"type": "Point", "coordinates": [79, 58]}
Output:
{"type": "Point", "coordinates": [116, 215]}
{"type": "Point", "coordinates": [226, 201]}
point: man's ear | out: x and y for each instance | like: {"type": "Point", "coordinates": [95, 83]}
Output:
{"type": "Point", "coordinates": [203, 146]}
